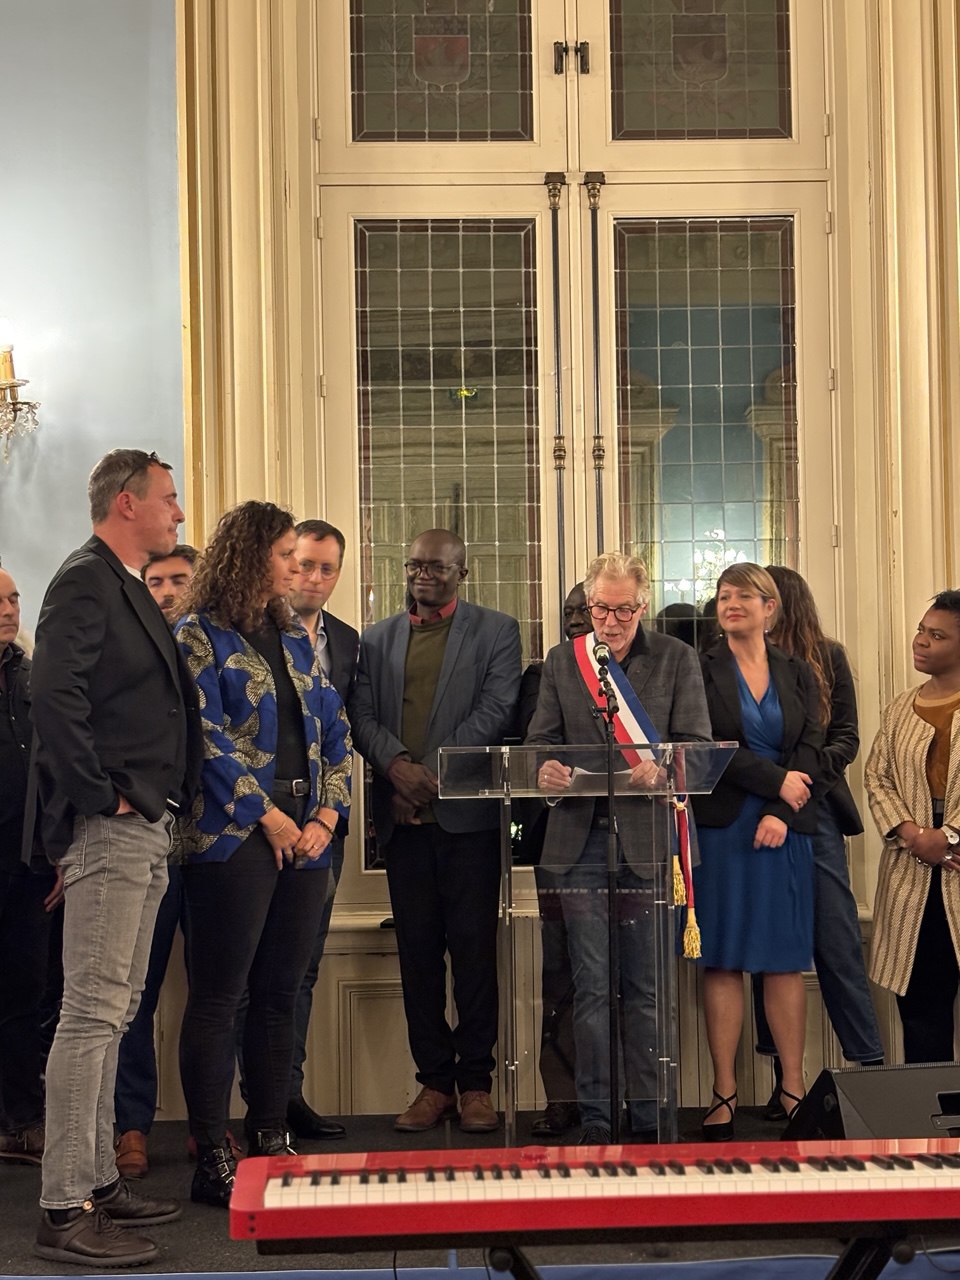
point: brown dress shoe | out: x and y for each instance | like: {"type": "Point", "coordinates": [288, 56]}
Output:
{"type": "Point", "coordinates": [93, 1240]}
{"type": "Point", "coordinates": [131, 1149]}
{"type": "Point", "coordinates": [428, 1108]}
{"type": "Point", "coordinates": [477, 1113]}
{"type": "Point", "coordinates": [23, 1147]}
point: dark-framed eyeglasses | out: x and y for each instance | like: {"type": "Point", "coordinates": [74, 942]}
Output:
{"type": "Point", "coordinates": [428, 569]}
{"type": "Point", "coordinates": [622, 613]}
{"type": "Point", "coordinates": [148, 461]}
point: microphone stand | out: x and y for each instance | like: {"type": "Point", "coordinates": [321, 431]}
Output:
{"type": "Point", "coordinates": [606, 714]}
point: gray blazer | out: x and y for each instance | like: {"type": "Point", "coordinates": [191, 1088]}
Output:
{"type": "Point", "coordinates": [666, 676]}
{"type": "Point", "coordinates": [473, 706]}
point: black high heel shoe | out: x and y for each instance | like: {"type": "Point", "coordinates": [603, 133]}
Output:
{"type": "Point", "coordinates": [790, 1112]}
{"type": "Point", "coordinates": [722, 1132]}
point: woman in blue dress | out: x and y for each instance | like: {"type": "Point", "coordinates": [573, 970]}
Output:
{"type": "Point", "coordinates": [754, 886]}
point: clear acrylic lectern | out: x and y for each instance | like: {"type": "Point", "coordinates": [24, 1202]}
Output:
{"type": "Point", "coordinates": [593, 960]}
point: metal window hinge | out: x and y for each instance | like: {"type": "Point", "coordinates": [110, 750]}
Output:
{"type": "Point", "coordinates": [317, 129]}
{"type": "Point", "coordinates": [827, 124]}
{"type": "Point", "coordinates": [835, 537]}
{"type": "Point", "coordinates": [323, 385]}
{"type": "Point", "coordinates": [828, 223]}
{"type": "Point", "coordinates": [319, 228]}
{"type": "Point", "coordinates": [831, 379]}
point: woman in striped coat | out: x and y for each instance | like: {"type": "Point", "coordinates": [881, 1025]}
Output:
{"type": "Point", "coordinates": [913, 783]}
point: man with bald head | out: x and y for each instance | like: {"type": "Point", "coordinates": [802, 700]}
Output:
{"type": "Point", "coordinates": [444, 674]}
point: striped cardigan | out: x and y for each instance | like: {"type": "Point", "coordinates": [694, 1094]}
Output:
{"type": "Point", "coordinates": [896, 781]}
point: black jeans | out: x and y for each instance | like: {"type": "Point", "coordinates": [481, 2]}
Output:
{"type": "Point", "coordinates": [24, 946]}
{"type": "Point", "coordinates": [251, 927]}
{"type": "Point", "coordinates": [445, 894]}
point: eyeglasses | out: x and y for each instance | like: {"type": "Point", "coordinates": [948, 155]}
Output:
{"type": "Point", "coordinates": [430, 569]}
{"type": "Point", "coordinates": [326, 571]}
{"type": "Point", "coordinates": [149, 460]}
{"type": "Point", "coordinates": [622, 613]}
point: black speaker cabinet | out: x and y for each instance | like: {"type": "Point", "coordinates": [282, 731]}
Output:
{"type": "Point", "coordinates": [917, 1101]}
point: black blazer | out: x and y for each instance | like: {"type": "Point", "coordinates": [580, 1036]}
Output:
{"type": "Point", "coordinates": [115, 710]}
{"type": "Point", "coordinates": [747, 772]}
{"type": "Point", "coordinates": [842, 742]}
{"type": "Point", "coordinates": [344, 647]}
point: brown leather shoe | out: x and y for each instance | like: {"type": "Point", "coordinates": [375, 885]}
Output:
{"type": "Point", "coordinates": [428, 1108]}
{"type": "Point", "coordinates": [23, 1147]}
{"type": "Point", "coordinates": [131, 1149]}
{"type": "Point", "coordinates": [92, 1237]}
{"type": "Point", "coordinates": [477, 1113]}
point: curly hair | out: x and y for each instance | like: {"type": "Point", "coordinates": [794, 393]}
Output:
{"type": "Point", "coordinates": [797, 631]}
{"type": "Point", "coordinates": [234, 569]}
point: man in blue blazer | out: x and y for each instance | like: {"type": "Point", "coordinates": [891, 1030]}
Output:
{"type": "Point", "coordinates": [446, 674]}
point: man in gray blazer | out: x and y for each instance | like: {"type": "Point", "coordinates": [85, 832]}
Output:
{"type": "Point", "coordinates": [446, 674]}
{"type": "Point", "coordinates": [665, 675]}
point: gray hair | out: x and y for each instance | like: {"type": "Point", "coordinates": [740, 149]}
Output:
{"type": "Point", "coordinates": [620, 567]}
{"type": "Point", "coordinates": [119, 470]}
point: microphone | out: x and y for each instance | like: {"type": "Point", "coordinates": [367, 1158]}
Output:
{"type": "Point", "coordinates": [602, 654]}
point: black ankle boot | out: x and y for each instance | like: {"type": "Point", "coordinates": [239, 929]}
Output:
{"type": "Point", "coordinates": [270, 1142]}
{"type": "Point", "coordinates": [214, 1176]}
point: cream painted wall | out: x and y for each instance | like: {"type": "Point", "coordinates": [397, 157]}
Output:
{"type": "Point", "coordinates": [91, 272]}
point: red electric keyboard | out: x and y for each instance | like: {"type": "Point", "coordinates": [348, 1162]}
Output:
{"type": "Point", "coordinates": [425, 1199]}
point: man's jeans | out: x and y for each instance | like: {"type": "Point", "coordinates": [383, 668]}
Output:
{"type": "Point", "coordinates": [837, 953]}
{"type": "Point", "coordinates": [583, 900]}
{"type": "Point", "coordinates": [115, 874]}
{"type": "Point", "coordinates": [136, 1091]}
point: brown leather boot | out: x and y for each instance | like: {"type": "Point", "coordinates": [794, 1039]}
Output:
{"type": "Point", "coordinates": [477, 1113]}
{"type": "Point", "coordinates": [428, 1108]}
{"type": "Point", "coordinates": [131, 1151]}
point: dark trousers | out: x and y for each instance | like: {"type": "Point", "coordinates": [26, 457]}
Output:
{"type": "Point", "coordinates": [135, 1096]}
{"type": "Point", "coordinates": [926, 1010]}
{"type": "Point", "coordinates": [445, 894]}
{"type": "Point", "coordinates": [24, 946]}
{"type": "Point", "coordinates": [301, 1019]}
{"type": "Point", "coordinates": [557, 1048]}
{"type": "Point", "coordinates": [251, 928]}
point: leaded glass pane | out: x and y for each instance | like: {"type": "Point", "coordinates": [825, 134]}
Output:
{"type": "Point", "coordinates": [441, 70]}
{"type": "Point", "coordinates": [448, 412]}
{"type": "Point", "coordinates": [700, 69]}
{"type": "Point", "coordinates": [706, 397]}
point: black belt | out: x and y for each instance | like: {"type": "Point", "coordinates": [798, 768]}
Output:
{"type": "Point", "coordinates": [292, 786]}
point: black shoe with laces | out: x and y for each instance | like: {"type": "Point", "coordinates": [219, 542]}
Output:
{"type": "Point", "coordinates": [214, 1177]}
{"type": "Point", "coordinates": [555, 1119]}
{"type": "Point", "coordinates": [92, 1240]}
{"type": "Point", "coordinates": [130, 1208]}
{"type": "Point", "coordinates": [594, 1135]}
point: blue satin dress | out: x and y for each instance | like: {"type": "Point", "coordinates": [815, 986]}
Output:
{"type": "Point", "coordinates": [755, 906]}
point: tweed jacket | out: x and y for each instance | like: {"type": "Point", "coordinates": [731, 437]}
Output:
{"type": "Point", "coordinates": [664, 674]}
{"type": "Point", "coordinates": [238, 709]}
{"type": "Point", "coordinates": [896, 782]}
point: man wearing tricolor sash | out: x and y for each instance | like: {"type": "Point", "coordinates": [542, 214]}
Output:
{"type": "Point", "coordinates": [660, 694]}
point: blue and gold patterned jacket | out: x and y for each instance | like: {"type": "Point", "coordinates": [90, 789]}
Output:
{"type": "Point", "coordinates": [238, 707]}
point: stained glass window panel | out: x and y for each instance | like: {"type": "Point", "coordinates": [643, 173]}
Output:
{"type": "Point", "coordinates": [441, 70]}
{"type": "Point", "coordinates": [700, 69]}
{"type": "Point", "coordinates": [706, 397]}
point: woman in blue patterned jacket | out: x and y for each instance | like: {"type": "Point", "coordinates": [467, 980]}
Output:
{"type": "Point", "coordinates": [275, 780]}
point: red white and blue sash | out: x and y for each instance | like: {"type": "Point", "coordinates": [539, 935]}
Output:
{"type": "Point", "coordinates": [632, 725]}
